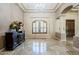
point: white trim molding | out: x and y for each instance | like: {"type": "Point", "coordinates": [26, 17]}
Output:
{"type": "Point", "coordinates": [36, 10]}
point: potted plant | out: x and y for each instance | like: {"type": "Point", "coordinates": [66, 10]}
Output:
{"type": "Point", "coordinates": [15, 25]}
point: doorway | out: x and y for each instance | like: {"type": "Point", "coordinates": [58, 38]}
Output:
{"type": "Point", "coordinates": [70, 29]}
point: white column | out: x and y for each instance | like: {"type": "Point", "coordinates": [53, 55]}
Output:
{"type": "Point", "coordinates": [63, 28]}
{"type": "Point", "coordinates": [77, 24]}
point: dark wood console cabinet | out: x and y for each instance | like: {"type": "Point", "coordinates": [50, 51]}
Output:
{"type": "Point", "coordinates": [13, 39]}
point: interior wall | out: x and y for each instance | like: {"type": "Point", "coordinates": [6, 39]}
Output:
{"type": "Point", "coordinates": [62, 7]}
{"type": "Point", "coordinates": [77, 24]}
{"type": "Point", "coordinates": [30, 17]}
{"type": "Point", "coordinates": [8, 13]}
{"type": "Point", "coordinates": [61, 23]}
{"type": "Point", "coordinates": [76, 37]}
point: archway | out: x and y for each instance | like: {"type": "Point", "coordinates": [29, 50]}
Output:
{"type": "Point", "coordinates": [67, 9]}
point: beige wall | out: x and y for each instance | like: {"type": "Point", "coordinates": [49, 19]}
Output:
{"type": "Point", "coordinates": [77, 24]}
{"type": "Point", "coordinates": [30, 17]}
{"type": "Point", "coordinates": [63, 18]}
{"type": "Point", "coordinates": [8, 13]}
{"type": "Point", "coordinates": [61, 23]}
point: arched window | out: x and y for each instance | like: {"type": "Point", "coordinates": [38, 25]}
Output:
{"type": "Point", "coordinates": [39, 27]}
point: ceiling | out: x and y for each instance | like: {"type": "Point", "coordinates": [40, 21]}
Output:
{"type": "Point", "coordinates": [39, 7]}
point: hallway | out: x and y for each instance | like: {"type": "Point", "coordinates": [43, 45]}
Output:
{"type": "Point", "coordinates": [27, 23]}
{"type": "Point", "coordinates": [43, 47]}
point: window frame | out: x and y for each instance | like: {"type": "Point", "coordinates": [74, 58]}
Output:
{"type": "Point", "coordinates": [39, 32]}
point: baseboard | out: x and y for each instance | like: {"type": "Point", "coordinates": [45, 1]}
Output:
{"type": "Point", "coordinates": [2, 49]}
{"type": "Point", "coordinates": [58, 35]}
{"type": "Point", "coordinates": [36, 38]}
{"type": "Point", "coordinates": [76, 48]}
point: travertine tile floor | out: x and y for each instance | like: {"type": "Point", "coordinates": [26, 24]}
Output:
{"type": "Point", "coordinates": [43, 47]}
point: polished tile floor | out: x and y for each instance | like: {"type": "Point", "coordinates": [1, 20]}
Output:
{"type": "Point", "coordinates": [43, 47]}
